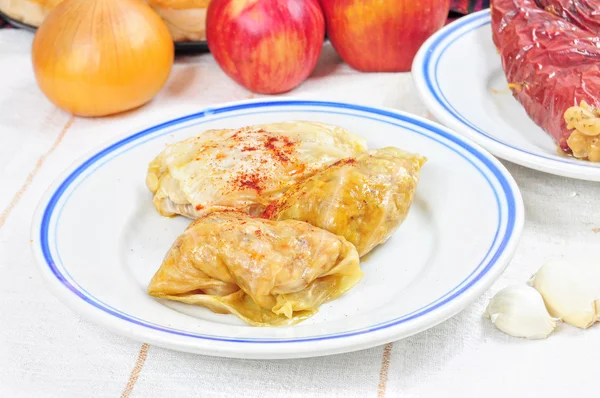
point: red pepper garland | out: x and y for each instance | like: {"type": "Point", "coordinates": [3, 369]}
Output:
{"type": "Point", "coordinates": [550, 63]}
{"type": "Point", "coordinates": [468, 6]}
{"type": "Point", "coordinates": [585, 14]}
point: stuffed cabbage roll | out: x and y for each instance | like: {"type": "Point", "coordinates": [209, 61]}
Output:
{"type": "Point", "coordinates": [364, 198]}
{"type": "Point", "coordinates": [268, 273]}
{"type": "Point", "coordinates": [243, 169]}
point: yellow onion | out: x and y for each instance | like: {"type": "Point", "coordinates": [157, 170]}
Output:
{"type": "Point", "coordinates": [100, 57]}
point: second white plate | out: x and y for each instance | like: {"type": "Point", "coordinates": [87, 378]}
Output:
{"type": "Point", "coordinates": [458, 74]}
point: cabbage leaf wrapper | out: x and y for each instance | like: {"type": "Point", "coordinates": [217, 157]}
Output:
{"type": "Point", "coordinates": [243, 169]}
{"type": "Point", "coordinates": [363, 198]}
{"type": "Point", "coordinates": [268, 273]}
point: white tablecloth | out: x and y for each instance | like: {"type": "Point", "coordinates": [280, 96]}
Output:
{"type": "Point", "coordinates": [47, 350]}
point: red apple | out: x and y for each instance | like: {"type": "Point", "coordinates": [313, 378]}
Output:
{"type": "Point", "coordinates": [267, 46]}
{"type": "Point", "coordinates": [382, 35]}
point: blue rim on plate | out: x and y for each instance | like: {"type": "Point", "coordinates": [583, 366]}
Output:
{"type": "Point", "coordinates": [509, 214]}
{"type": "Point", "coordinates": [426, 74]}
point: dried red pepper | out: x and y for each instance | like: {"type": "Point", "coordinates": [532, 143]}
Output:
{"type": "Point", "coordinates": [583, 13]}
{"type": "Point", "coordinates": [550, 53]}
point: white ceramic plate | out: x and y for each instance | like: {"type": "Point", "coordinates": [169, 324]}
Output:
{"type": "Point", "coordinates": [459, 76]}
{"type": "Point", "coordinates": [98, 240]}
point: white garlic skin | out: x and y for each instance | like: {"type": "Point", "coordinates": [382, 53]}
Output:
{"type": "Point", "coordinates": [519, 311]}
{"type": "Point", "coordinates": [571, 291]}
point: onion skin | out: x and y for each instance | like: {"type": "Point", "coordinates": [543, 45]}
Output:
{"type": "Point", "coordinates": [101, 57]}
{"type": "Point", "coordinates": [382, 35]}
{"type": "Point", "coordinates": [267, 46]}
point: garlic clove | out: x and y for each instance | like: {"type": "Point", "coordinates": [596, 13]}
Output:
{"type": "Point", "coordinates": [571, 291]}
{"type": "Point", "coordinates": [519, 311]}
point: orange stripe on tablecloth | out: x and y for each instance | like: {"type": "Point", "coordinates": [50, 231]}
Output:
{"type": "Point", "coordinates": [135, 373]}
{"type": "Point", "coordinates": [15, 200]}
{"type": "Point", "coordinates": [383, 372]}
